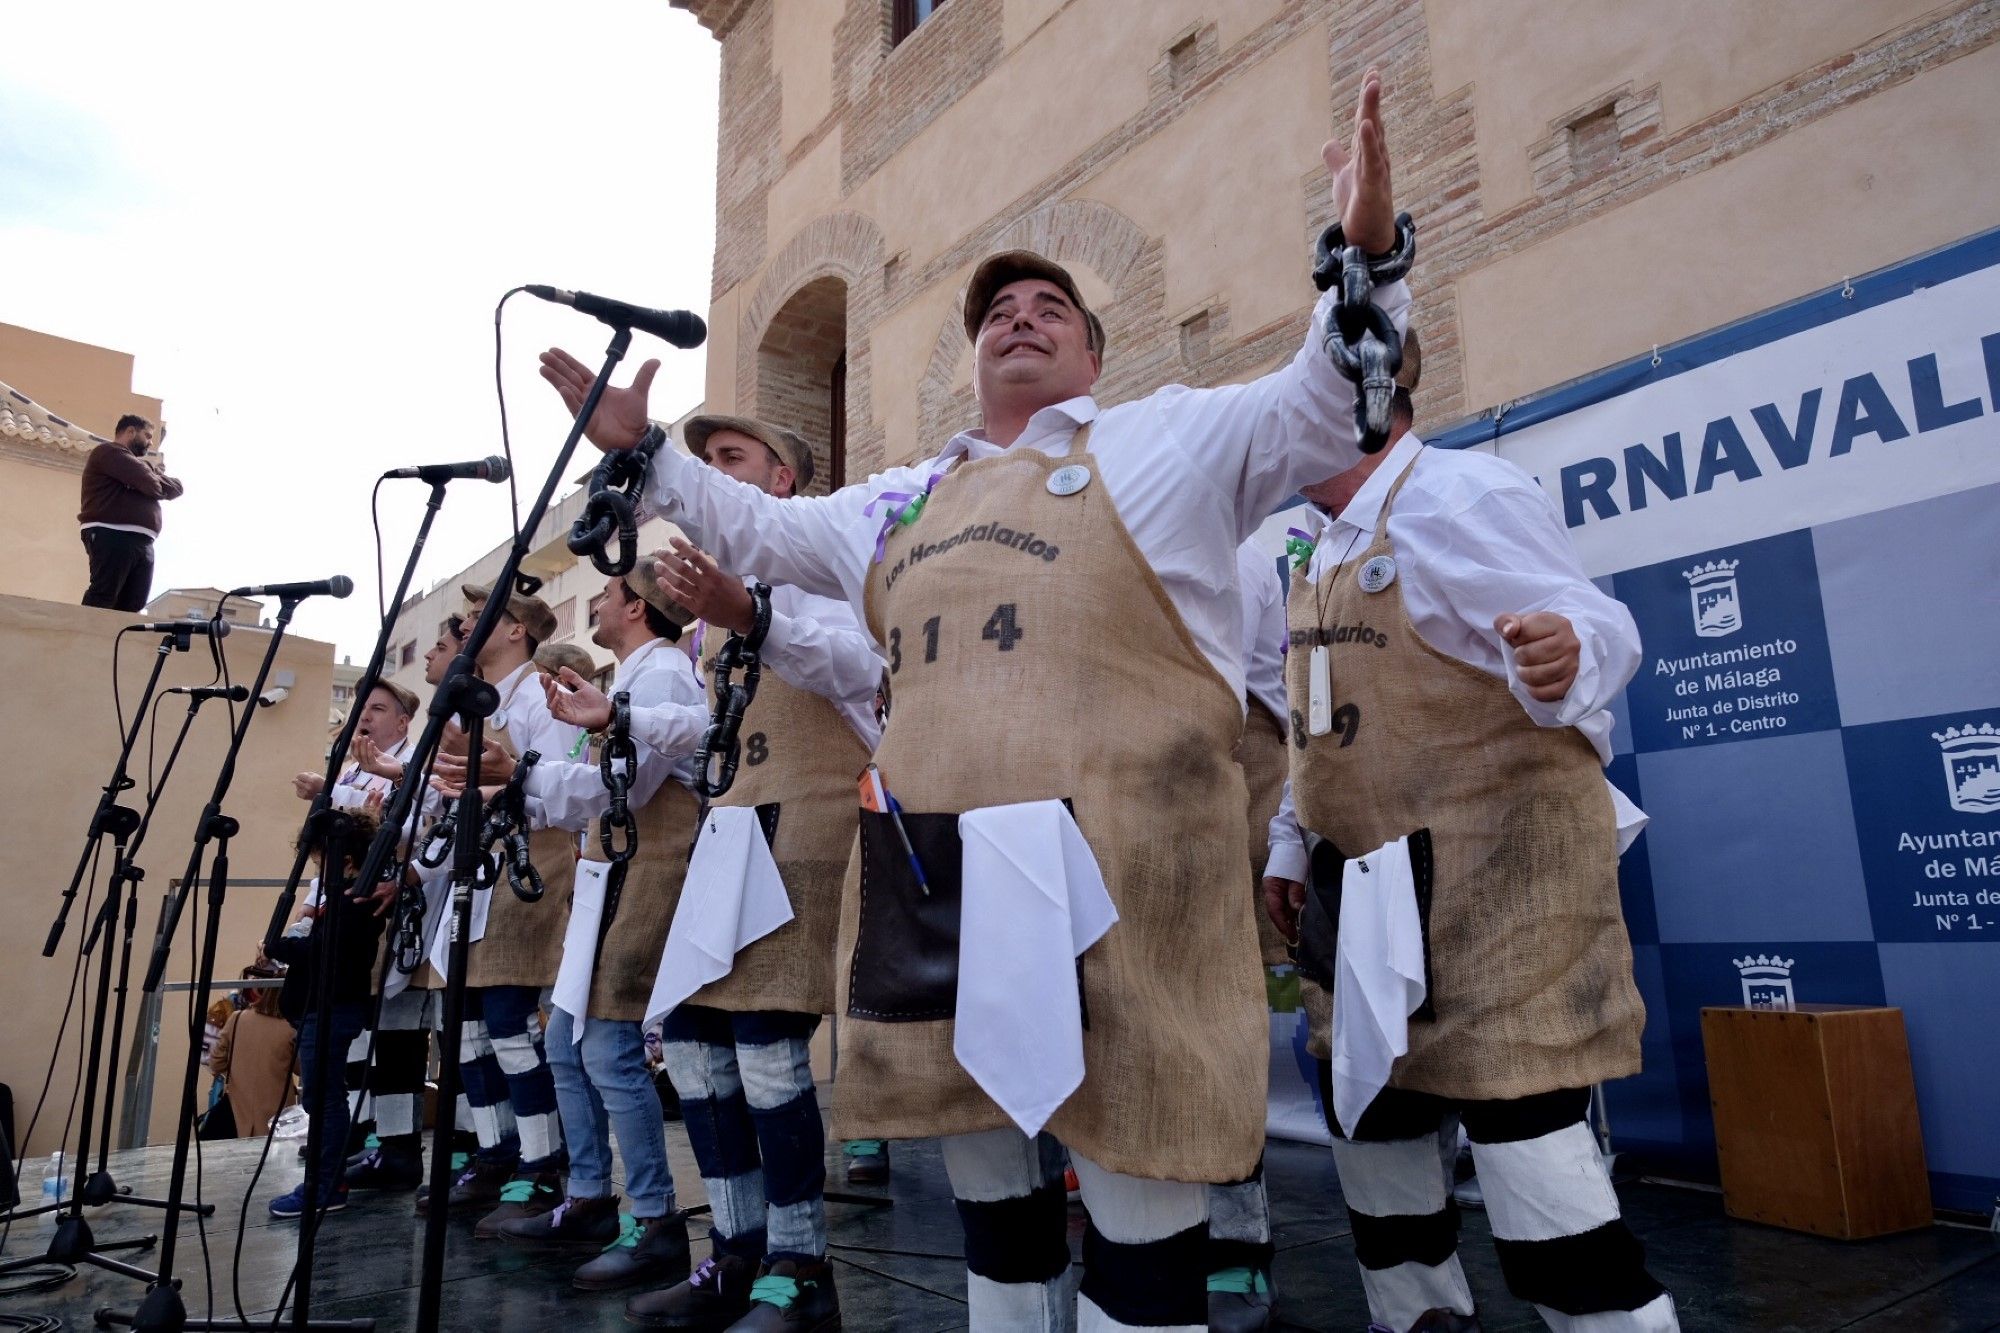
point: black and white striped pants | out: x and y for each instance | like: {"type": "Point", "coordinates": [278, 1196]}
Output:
{"type": "Point", "coordinates": [1556, 1227]}
{"type": "Point", "coordinates": [1144, 1261]}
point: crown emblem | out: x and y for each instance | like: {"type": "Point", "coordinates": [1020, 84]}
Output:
{"type": "Point", "coordinates": [1715, 571]}
{"type": "Point", "coordinates": [1767, 980]}
{"type": "Point", "coordinates": [1971, 767]}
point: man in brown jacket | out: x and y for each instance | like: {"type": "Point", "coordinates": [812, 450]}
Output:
{"type": "Point", "coordinates": [122, 490]}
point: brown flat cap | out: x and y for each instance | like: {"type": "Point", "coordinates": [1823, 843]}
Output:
{"type": "Point", "coordinates": [997, 270]}
{"type": "Point", "coordinates": [789, 446]}
{"type": "Point", "coordinates": [640, 579]}
{"type": "Point", "coordinates": [552, 657]}
{"type": "Point", "coordinates": [532, 612]}
{"type": "Point", "coordinates": [405, 700]}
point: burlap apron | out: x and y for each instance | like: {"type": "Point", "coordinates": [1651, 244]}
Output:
{"type": "Point", "coordinates": [1530, 966]}
{"type": "Point", "coordinates": [622, 980]}
{"type": "Point", "coordinates": [522, 945]}
{"type": "Point", "coordinates": [1035, 656]}
{"type": "Point", "coordinates": [1262, 754]}
{"type": "Point", "coordinates": [800, 756]}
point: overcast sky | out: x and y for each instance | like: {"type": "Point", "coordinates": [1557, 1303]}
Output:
{"type": "Point", "coordinates": [299, 218]}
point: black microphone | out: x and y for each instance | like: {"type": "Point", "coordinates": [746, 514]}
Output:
{"type": "Point", "coordinates": [236, 694]}
{"type": "Point", "coordinates": [682, 328]}
{"type": "Point", "coordinates": [338, 586]}
{"type": "Point", "coordinates": [219, 628]}
{"type": "Point", "coordinates": [482, 469]}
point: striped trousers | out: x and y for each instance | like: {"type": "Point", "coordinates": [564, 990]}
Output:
{"type": "Point", "coordinates": [752, 1118]}
{"type": "Point", "coordinates": [505, 1023]}
{"type": "Point", "coordinates": [1556, 1227]}
{"type": "Point", "coordinates": [394, 1060]}
{"type": "Point", "coordinates": [1144, 1244]}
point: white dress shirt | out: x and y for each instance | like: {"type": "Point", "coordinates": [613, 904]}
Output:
{"type": "Point", "coordinates": [1264, 630]}
{"type": "Point", "coordinates": [1191, 472]}
{"type": "Point", "coordinates": [1476, 538]}
{"type": "Point", "coordinates": [569, 793]}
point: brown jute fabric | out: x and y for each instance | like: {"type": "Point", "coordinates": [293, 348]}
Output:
{"type": "Point", "coordinates": [800, 754]}
{"type": "Point", "coordinates": [622, 980]}
{"type": "Point", "coordinates": [1531, 969]}
{"type": "Point", "coordinates": [1061, 670]}
{"type": "Point", "coordinates": [1262, 754]}
{"type": "Point", "coordinates": [523, 942]}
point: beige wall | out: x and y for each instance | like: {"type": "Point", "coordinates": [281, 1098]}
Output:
{"type": "Point", "coordinates": [89, 385]}
{"type": "Point", "coordinates": [70, 738]}
{"type": "Point", "coordinates": [40, 552]}
{"type": "Point", "coordinates": [1797, 141]}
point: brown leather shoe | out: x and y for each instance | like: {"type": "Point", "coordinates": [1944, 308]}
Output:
{"type": "Point", "coordinates": [571, 1224]}
{"type": "Point", "coordinates": [792, 1297]}
{"type": "Point", "coordinates": [528, 1194]}
{"type": "Point", "coordinates": [714, 1298]}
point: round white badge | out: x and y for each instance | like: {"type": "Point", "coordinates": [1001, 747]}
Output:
{"type": "Point", "coordinates": [1377, 574]}
{"type": "Point", "coordinates": [1069, 480]}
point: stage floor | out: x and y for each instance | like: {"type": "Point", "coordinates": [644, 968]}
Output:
{"type": "Point", "coordinates": [899, 1268]}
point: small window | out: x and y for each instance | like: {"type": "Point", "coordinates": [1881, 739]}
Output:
{"type": "Point", "coordinates": [409, 653]}
{"type": "Point", "coordinates": [565, 618]}
{"type": "Point", "coordinates": [908, 15]}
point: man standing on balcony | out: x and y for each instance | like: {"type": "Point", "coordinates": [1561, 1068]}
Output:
{"type": "Point", "coordinates": [122, 490]}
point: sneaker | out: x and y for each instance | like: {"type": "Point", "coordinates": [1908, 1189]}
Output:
{"type": "Point", "coordinates": [867, 1161]}
{"type": "Point", "coordinates": [585, 1223]}
{"type": "Point", "coordinates": [792, 1295]}
{"type": "Point", "coordinates": [653, 1249]}
{"type": "Point", "coordinates": [1239, 1301]}
{"type": "Point", "coordinates": [714, 1298]}
{"type": "Point", "coordinates": [528, 1194]}
{"type": "Point", "coordinates": [477, 1186]}
{"type": "Point", "coordinates": [387, 1171]}
{"type": "Point", "coordinates": [293, 1202]}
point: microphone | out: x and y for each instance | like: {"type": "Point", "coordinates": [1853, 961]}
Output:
{"type": "Point", "coordinates": [682, 328]}
{"type": "Point", "coordinates": [338, 586]}
{"type": "Point", "coordinates": [219, 628]}
{"type": "Point", "coordinates": [483, 469]}
{"type": "Point", "coordinates": [236, 694]}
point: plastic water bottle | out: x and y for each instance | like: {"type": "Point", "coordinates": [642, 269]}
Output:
{"type": "Point", "coordinates": [55, 1184]}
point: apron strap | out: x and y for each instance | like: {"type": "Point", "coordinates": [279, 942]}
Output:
{"type": "Point", "coordinates": [1078, 443]}
{"type": "Point", "coordinates": [1389, 500]}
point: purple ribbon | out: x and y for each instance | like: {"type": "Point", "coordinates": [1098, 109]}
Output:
{"type": "Point", "coordinates": [897, 503]}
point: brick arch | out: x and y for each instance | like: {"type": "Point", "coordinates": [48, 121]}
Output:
{"type": "Point", "coordinates": [847, 246]}
{"type": "Point", "coordinates": [1077, 233]}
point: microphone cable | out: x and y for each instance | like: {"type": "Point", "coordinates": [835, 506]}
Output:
{"type": "Point", "coordinates": [500, 387]}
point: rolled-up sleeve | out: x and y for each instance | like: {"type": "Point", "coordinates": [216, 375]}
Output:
{"type": "Point", "coordinates": [1287, 858]}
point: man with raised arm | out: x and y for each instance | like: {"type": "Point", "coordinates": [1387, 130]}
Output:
{"type": "Point", "coordinates": [1045, 927]}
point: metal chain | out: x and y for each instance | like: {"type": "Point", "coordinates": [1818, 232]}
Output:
{"type": "Point", "coordinates": [1360, 339]}
{"type": "Point", "coordinates": [715, 762]}
{"type": "Point", "coordinates": [612, 511]}
{"type": "Point", "coordinates": [617, 760]}
{"type": "Point", "coordinates": [507, 824]}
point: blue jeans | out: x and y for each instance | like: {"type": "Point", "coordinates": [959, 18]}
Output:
{"type": "Point", "coordinates": [328, 1105]}
{"type": "Point", "coordinates": [752, 1115]}
{"type": "Point", "coordinates": [604, 1088]}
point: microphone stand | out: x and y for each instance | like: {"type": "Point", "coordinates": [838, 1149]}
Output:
{"type": "Point", "coordinates": [73, 1242]}
{"type": "Point", "coordinates": [162, 1310]}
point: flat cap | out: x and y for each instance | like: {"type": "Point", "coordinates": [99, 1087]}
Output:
{"type": "Point", "coordinates": [997, 270]}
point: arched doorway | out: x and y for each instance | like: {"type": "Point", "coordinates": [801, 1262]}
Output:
{"type": "Point", "coordinates": [802, 375]}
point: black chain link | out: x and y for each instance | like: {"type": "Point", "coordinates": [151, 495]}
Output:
{"type": "Point", "coordinates": [715, 762]}
{"type": "Point", "coordinates": [612, 511]}
{"type": "Point", "coordinates": [617, 761]}
{"type": "Point", "coordinates": [507, 824]}
{"type": "Point", "coordinates": [1360, 339]}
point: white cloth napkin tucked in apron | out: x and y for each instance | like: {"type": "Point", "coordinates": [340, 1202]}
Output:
{"type": "Point", "coordinates": [579, 956]}
{"type": "Point", "coordinates": [1378, 976]}
{"type": "Point", "coordinates": [1034, 900]}
{"type": "Point", "coordinates": [482, 908]}
{"type": "Point", "coordinates": [732, 897]}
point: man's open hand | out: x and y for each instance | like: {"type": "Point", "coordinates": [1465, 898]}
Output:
{"type": "Point", "coordinates": [581, 704]}
{"type": "Point", "coordinates": [694, 580]}
{"type": "Point", "coordinates": [620, 419]}
{"type": "Point", "coordinates": [1361, 191]}
{"type": "Point", "coordinates": [1546, 652]}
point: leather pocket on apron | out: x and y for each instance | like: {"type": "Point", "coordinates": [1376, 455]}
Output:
{"type": "Point", "coordinates": [1319, 923]}
{"type": "Point", "coordinates": [767, 819]}
{"type": "Point", "coordinates": [905, 967]}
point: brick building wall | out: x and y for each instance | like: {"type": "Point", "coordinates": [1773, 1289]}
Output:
{"type": "Point", "coordinates": [1614, 150]}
